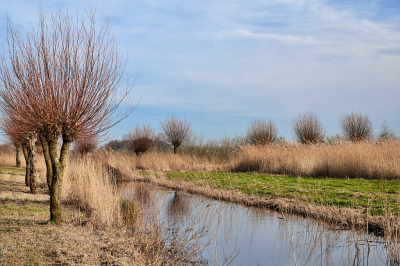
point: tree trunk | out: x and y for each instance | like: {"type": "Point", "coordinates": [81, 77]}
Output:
{"type": "Point", "coordinates": [32, 169]}
{"type": "Point", "coordinates": [17, 156]}
{"type": "Point", "coordinates": [175, 149]}
{"type": "Point", "coordinates": [27, 162]}
{"type": "Point", "coordinates": [58, 168]}
{"type": "Point", "coordinates": [32, 139]}
{"type": "Point", "coordinates": [43, 136]}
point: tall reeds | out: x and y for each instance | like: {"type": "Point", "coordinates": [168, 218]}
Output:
{"type": "Point", "coordinates": [368, 160]}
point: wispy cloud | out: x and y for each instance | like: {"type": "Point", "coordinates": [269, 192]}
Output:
{"type": "Point", "coordinates": [247, 59]}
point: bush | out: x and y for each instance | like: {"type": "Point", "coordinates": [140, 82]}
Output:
{"type": "Point", "coordinates": [212, 149]}
{"type": "Point", "coordinates": [86, 145]}
{"type": "Point", "coordinates": [142, 139]}
{"type": "Point", "coordinates": [356, 126]}
{"type": "Point", "coordinates": [262, 132]}
{"type": "Point", "coordinates": [308, 129]}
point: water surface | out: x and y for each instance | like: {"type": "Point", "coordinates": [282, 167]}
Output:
{"type": "Point", "coordinates": [240, 235]}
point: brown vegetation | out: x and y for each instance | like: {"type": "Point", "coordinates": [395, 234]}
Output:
{"type": "Point", "coordinates": [356, 126]}
{"type": "Point", "coordinates": [262, 132]}
{"type": "Point", "coordinates": [86, 144]}
{"type": "Point", "coordinates": [176, 131]}
{"type": "Point", "coordinates": [340, 159]}
{"type": "Point", "coordinates": [366, 160]}
{"type": "Point", "coordinates": [98, 226]}
{"type": "Point", "coordinates": [308, 129]}
{"type": "Point", "coordinates": [142, 139]}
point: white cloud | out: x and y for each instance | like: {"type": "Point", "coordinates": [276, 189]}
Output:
{"type": "Point", "coordinates": [255, 58]}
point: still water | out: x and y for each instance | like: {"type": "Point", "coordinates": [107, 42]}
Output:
{"type": "Point", "coordinates": [240, 235]}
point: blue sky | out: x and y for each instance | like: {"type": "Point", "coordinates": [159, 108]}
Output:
{"type": "Point", "coordinates": [221, 64]}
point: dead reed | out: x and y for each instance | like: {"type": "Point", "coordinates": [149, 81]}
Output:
{"type": "Point", "coordinates": [367, 160]}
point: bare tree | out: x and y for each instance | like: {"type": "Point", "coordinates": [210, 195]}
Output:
{"type": "Point", "coordinates": [308, 129]}
{"type": "Point", "coordinates": [356, 126]}
{"type": "Point", "coordinates": [386, 132]}
{"type": "Point", "coordinates": [86, 145]}
{"type": "Point", "coordinates": [61, 79]}
{"type": "Point", "coordinates": [142, 138]}
{"type": "Point", "coordinates": [27, 141]}
{"type": "Point", "coordinates": [176, 131]}
{"type": "Point", "coordinates": [261, 132]}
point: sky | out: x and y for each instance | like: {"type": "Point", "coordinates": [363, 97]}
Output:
{"type": "Point", "coordinates": [222, 64]}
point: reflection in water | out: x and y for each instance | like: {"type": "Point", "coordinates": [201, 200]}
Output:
{"type": "Point", "coordinates": [177, 207]}
{"type": "Point", "coordinates": [239, 235]}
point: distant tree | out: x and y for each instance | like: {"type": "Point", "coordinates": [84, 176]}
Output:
{"type": "Point", "coordinates": [86, 145]}
{"type": "Point", "coordinates": [142, 139]}
{"type": "Point", "coordinates": [356, 126]}
{"type": "Point", "coordinates": [262, 132]}
{"type": "Point", "coordinates": [176, 131]}
{"type": "Point", "coordinates": [386, 133]}
{"type": "Point", "coordinates": [308, 129]}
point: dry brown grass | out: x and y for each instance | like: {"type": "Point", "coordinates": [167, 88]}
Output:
{"type": "Point", "coordinates": [366, 160]}
{"type": "Point", "coordinates": [93, 231]}
{"type": "Point", "coordinates": [342, 159]}
{"type": "Point", "coordinates": [87, 186]}
{"type": "Point", "coordinates": [160, 161]}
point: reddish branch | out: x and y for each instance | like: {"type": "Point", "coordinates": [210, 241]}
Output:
{"type": "Point", "coordinates": [61, 79]}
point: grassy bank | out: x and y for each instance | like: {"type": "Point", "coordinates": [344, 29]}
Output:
{"type": "Point", "coordinates": [359, 204]}
{"type": "Point", "coordinates": [380, 197]}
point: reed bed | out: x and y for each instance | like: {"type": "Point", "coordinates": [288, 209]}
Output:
{"type": "Point", "coordinates": [367, 160]}
{"type": "Point", "coordinates": [340, 159]}
{"type": "Point", "coordinates": [160, 161]}
{"type": "Point", "coordinates": [89, 187]}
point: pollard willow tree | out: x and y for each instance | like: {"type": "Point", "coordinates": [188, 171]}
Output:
{"type": "Point", "coordinates": [61, 79]}
{"type": "Point", "coordinates": [27, 141]}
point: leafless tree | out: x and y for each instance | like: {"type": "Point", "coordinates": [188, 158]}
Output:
{"type": "Point", "coordinates": [308, 129]}
{"type": "Point", "coordinates": [62, 79]}
{"type": "Point", "coordinates": [142, 138]}
{"type": "Point", "coordinates": [86, 145]}
{"type": "Point", "coordinates": [386, 133]}
{"type": "Point", "coordinates": [356, 126]}
{"type": "Point", "coordinates": [176, 131]}
{"type": "Point", "coordinates": [261, 132]}
{"type": "Point", "coordinates": [27, 141]}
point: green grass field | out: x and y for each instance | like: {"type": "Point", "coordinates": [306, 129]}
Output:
{"type": "Point", "coordinates": [379, 196]}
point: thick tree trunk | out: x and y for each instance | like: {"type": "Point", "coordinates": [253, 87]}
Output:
{"type": "Point", "coordinates": [46, 152]}
{"type": "Point", "coordinates": [175, 149]}
{"type": "Point", "coordinates": [18, 156]}
{"type": "Point", "coordinates": [27, 162]}
{"type": "Point", "coordinates": [58, 168]}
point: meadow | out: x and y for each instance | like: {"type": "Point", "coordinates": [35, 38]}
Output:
{"type": "Point", "coordinates": [346, 184]}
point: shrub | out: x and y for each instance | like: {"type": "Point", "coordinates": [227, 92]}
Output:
{"type": "Point", "coordinates": [86, 145]}
{"type": "Point", "coordinates": [308, 129]}
{"type": "Point", "coordinates": [142, 139]}
{"type": "Point", "coordinates": [356, 126]}
{"type": "Point", "coordinates": [261, 132]}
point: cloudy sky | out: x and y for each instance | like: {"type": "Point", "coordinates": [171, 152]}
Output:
{"type": "Point", "coordinates": [221, 64]}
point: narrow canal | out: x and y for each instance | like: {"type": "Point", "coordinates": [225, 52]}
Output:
{"type": "Point", "coordinates": [233, 234]}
